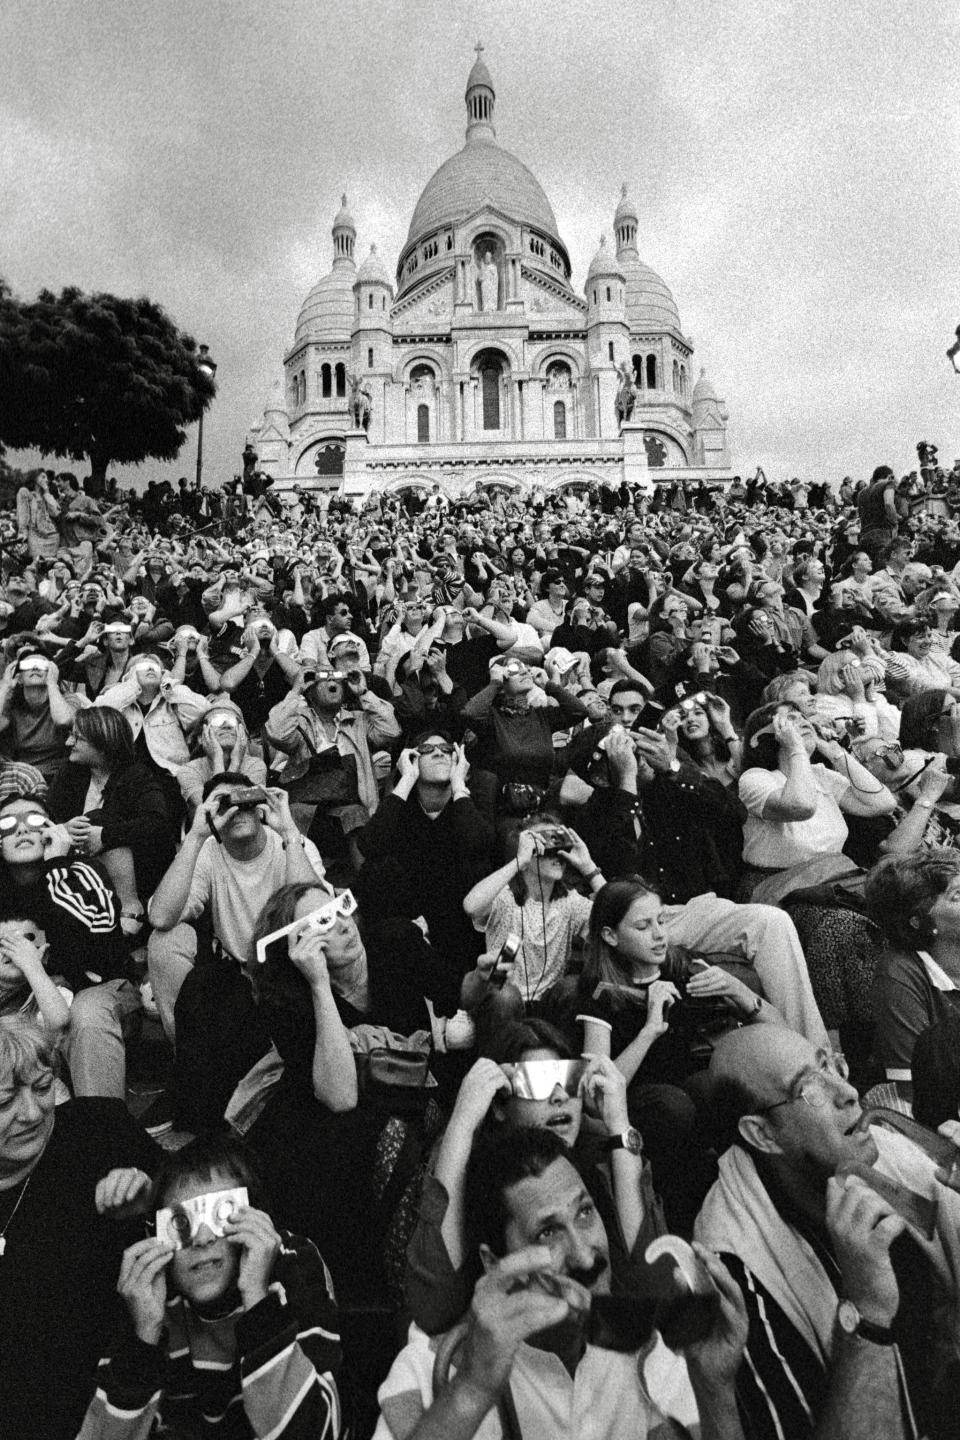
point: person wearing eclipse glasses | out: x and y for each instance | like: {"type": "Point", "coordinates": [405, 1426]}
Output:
{"type": "Point", "coordinates": [35, 716]}
{"type": "Point", "coordinates": [160, 712]}
{"type": "Point", "coordinates": [231, 1327]}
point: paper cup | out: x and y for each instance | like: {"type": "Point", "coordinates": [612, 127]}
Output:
{"type": "Point", "coordinates": [596, 1035]}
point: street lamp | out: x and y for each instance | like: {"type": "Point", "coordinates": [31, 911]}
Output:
{"type": "Point", "coordinates": [208, 366]}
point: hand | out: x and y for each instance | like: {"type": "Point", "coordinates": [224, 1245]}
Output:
{"type": "Point", "coordinates": [700, 657]}
{"type": "Point", "coordinates": [251, 640]}
{"type": "Point", "coordinates": [307, 953]}
{"type": "Point", "coordinates": [408, 765]}
{"type": "Point", "coordinates": [213, 750]}
{"type": "Point", "coordinates": [497, 675]}
{"type": "Point", "coordinates": [181, 644]}
{"type": "Point", "coordinates": [935, 780]}
{"type": "Point", "coordinates": [278, 815]}
{"type": "Point", "coordinates": [505, 1312]}
{"type": "Point", "coordinates": [710, 982]}
{"type": "Point", "coordinates": [460, 770]}
{"type": "Point", "coordinates": [862, 1228]}
{"type": "Point", "coordinates": [787, 736]}
{"type": "Point", "coordinates": [253, 1231]}
{"type": "Point", "coordinates": [662, 995]}
{"type": "Point", "coordinates": [482, 1082]}
{"type": "Point", "coordinates": [203, 647]}
{"type": "Point", "coordinates": [204, 820]}
{"type": "Point", "coordinates": [56, 842]}
{"type": "Point", "coordinates": [830, 748]}
{"type": "Point", "coordinates": [622, 756]}
{"type": "Point", "coordinates": [22, 954]}
{"type": "Point", "coordinates": [655, 749]}
{"type": "Point", "coordinates": [604, 1091]}
{"type": "Point", "coordinates": [122, 1193]}
{"type": "Point", "coordinates": [527, 848]}
{"type": "Point", "coordinates": [718, 1357]}
{"type": "Point", "coordinates": [577, 854]}
{"type": "Point", "coordinates": [273, 644]}
{"type": "Point", "coordinates": [852, 682]}
{"type": "Point", "coordinates": [719, 712]}
{"type": "Point", "coordinates": [53, 676]}
{"type": "Point", "coordinates": [143, 1286]}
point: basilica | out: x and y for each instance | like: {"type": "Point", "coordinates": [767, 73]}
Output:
{"type": "Point", "coordinates": [478, 364]}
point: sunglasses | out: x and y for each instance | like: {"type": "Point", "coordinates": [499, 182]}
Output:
{"type": "Point", "coordinates": [179, 1225]}
{"type": "Point", "coordinates": [435, 749]}
{"type": "Point", "coordinates": [33, 820]}
{"type": "Point", "coordinates": [693, 702]}
{"type": "Point", "coordinates": [537, 1079]}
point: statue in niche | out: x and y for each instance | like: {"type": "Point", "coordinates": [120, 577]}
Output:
{"type": "Point", "coordinates": [488, 282]}
{"type": "Point", "coordinates": [361, 401]}
{"type": "Point", "coordinates": [626, 394]}
{"type": "Point", "coordinates": [656, 451]}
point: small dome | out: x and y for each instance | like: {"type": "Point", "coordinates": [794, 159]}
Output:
{"type": "Point", "coordinates": [344, 220]}
{"type": "Point", "coordinates": [327, 312]}
{"type": "Point", "coordinates": [703, 390]}
{"type": "Point", "coordinates": [373, 271]}
{"type": "Point", "coordinates": [479, 75]}
{"type": "Point", "coordinates": [649, 303]}
{"type": "Point", "coordinates": [604, 263]}
{"type": "Point", "coordinates": [626, 209]}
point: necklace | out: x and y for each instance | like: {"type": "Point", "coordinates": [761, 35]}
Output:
{"type": "Point", "coordinates": [26, 1185]}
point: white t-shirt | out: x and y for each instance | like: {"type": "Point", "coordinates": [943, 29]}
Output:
{"type": "Point", "coordinates": [237, 890]}
{"type": "Point", "coordinates": [777, 844]}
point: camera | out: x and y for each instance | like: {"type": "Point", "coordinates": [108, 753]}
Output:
{"type": "Point", "coordinates": [244, 797]}
{"type": "Point", "coordinates": [553, 841]}
{"type": "Point", "coordinates": [509, 951]}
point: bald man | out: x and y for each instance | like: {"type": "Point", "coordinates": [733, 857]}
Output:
{"type": "Point", "coordinates": [830, 1308]}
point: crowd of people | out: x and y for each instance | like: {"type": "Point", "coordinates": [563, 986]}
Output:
{"type": "Point", "coordinates": [481, 967]}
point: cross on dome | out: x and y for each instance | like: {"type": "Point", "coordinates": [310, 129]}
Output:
{"type": "Point", "coordinates": [478, 49]}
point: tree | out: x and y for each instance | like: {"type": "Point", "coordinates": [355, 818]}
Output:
{"type": "Point", "coordinates": [97, 377]}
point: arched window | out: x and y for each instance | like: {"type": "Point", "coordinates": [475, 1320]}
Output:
{"type": "Point", "coordinates": [369, 357]}
{"type": "Point", "coordinates": [608, 295]}
{"type": "Point", "coordinates": [559, 420]}
{"type": "Point", "coordinates": [610, 349]}
{"type": "Point", "coordinates": [676, 377]}
{"type": "Point", "coordinates": [370, 300]}
{"type": "Point", "coordinates": [341, 373]}
{"type": "Point", "coordinates": [325, 381]}
{"type": "Point", "coordinates": [490, 391]}
{"type": "Point", "coordinates": [683, 380]}
{"type": "Point", "coordinates": [423, 424]}
{"type": "Point", "coordinates": [638, 371]}
{"type": "Point", "coordinates": [651, 372]}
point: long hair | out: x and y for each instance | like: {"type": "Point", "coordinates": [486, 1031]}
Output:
{"type": "Point", "coordinates": [610, 905]}
{"type": "Point", "coordinates": [108, 731]}
{"type": "Point", "coordinates": [278, 979]}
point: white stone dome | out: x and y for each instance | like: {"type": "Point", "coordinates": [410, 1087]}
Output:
{"type": "Point", "coordinates": [703, 390]}
{"type": "Point", "coordinates": [327, 313]}
{"type": "Point", "coordinates": [649, 302]}
{"type": "Point", "coordinates": [482, 172]}
{"type": "Point", "coordinates": [605, 263]}
{"type": "Point", "coordinates": [373, 271]}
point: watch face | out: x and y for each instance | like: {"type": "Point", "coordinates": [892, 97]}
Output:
{"type": "Point", "coordinates": [632, 1141]}
{"type": "Point", "coordinates": [848, 1316]}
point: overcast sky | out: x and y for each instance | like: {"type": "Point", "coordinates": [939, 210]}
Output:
{"type": "Point", "coordinates": [795, 167]}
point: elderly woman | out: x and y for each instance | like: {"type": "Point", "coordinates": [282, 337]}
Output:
{"type": "Point", "coordinates": [916, 663]}
{"type": "Point", "coordinates": [61, 1169]}
{"type": "Point", "coordinates": [915, 901]}
{"type": "Point", "coordinates": [847, 696]}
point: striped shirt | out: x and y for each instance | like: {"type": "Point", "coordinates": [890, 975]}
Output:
{"type": "Point", "coordinates": [269, 1372]}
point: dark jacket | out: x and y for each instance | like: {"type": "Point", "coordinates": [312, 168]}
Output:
{"type": "Point", "coordinates": [136, 813]}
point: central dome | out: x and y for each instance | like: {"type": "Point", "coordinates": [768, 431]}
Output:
{"type": "Point", "coordinates": [481, 173]}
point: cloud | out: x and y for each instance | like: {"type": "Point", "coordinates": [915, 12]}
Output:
{"type": "Point", "coordinates": [794, 168]}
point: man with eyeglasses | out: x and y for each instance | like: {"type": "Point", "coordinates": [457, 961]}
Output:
{"type": "Point", "coordinates": [836, 1289]}
{"type": "Point", "coordinates": [335, 619]}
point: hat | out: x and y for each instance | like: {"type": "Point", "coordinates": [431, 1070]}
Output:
{"type": "Point", "coordinates": [561, 658]}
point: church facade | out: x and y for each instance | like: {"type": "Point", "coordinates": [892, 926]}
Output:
{"type": "Point", "coordinates": [478, 364]}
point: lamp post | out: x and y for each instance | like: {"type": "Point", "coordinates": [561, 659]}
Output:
{"type": "Point", "coordinates": [208, 366]}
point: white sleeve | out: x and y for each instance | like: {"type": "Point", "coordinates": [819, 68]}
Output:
{"type": "Point", "coordinates": [756, 787]}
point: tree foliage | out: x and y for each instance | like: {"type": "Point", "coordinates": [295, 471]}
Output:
{"type": "Point", "coordinates": [96, 377]}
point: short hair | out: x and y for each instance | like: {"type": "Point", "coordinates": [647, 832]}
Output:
{"type": "Point", "coordinates": [626, 687]}
{"type": "Point", "coordinates": [24, 1050]}
{"type": "Point", "coordinates": [899, 542]}
{"type": "Point", "coordinates": [882, 472]}
{"type": "Point", "coordinates": [109, 732]}
{"type": "Point", "coordinates": [325, 607]}
{"type": "Point", "coordinates": [777, 689]}
{"type": "Point", "coordinates": [901, 889]}
{"type": "Point", "coordinates": [441, 731]}
{"type": "Point", "coordinates": [199, 1160]}
{"type": "Point", "coordinates": [906, 630]}
{"type": "Point", "coordinates": [512, 1041]}
{"type": "Point", "coordinates": [226, 777]}
{"type": "Point", "coordinates": [920, 719]}
{"type": "Point", "coordinates": [501, 1158]}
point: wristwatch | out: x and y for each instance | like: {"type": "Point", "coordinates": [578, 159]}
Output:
{"type": "Point", "coordinates": [630, 1140]}
{"type": "Point", "coordinates": [851, 1322]}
